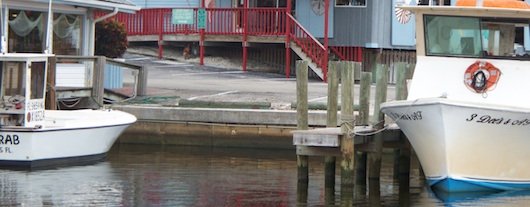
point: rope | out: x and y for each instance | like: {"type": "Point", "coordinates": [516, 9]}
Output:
{"type": "Point", "coordinates": [75, 100]}
{"type": "Point", "coordinates": [348, 121]}
{"type": "Point", "coordinates": [135, 89]}
{"type": "Point", "coordinates": [385, 126]}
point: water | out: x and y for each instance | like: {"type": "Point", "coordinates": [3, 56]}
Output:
{"type": "Point", "coordinates": [137, 175]}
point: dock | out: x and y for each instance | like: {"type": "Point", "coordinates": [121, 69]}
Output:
{"type": "Point", "coordinates": [357, 139]}
{"type": "Point", "coordinates": [353, 135]}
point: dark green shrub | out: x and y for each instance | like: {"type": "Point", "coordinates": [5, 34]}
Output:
{"type": "Point", "coordinates": [111, 39]}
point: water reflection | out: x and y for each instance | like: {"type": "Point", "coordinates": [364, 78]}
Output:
{"type": "Point", "coordinates": [136, 175]}
{"type": "Point", "coordinates": [486, 198]}
{"type": "Point", "coordinates": [81, 186]}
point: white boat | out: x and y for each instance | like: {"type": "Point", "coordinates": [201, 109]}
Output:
{"type": "Point", "coordinates": [31, 136]}
{"type": "Point", "coordinates": [467, 115]}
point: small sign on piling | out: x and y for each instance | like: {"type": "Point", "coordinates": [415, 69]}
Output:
{"type": "Point", "coordinates": [201, 19]}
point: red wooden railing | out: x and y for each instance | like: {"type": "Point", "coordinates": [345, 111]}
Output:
{"type": "Point", "coordinates": [310, 46]}
{"type": "Point", "coordinates": [220, 21]}
{"type": "Point", "coordinates": [266, 21]}
{"type": "Point", "coordinates": [228, 21]}
{"type": "Point", "coordinates": [348, 53]}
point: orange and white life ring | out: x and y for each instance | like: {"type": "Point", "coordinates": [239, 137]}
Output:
{"type": "Point", "coordinates": [481, 76]}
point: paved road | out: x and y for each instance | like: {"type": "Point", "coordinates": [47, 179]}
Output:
{"type": "Point", "coordinates": [207, 83]}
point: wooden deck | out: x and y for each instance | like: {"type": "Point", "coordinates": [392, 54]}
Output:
{"type": "Point", "coordinates": [326, 141]}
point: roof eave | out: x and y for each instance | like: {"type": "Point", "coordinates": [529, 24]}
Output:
{"type": "Point", "coordinates": [102, 5]}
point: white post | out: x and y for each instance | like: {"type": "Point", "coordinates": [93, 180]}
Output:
{"type": "Point", "coordinates": [3, 25]}
{"type": "Point", "coordinates": [49, 27]}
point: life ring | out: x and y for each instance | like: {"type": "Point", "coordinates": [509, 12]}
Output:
{"type": "Point", "coordinates": [481, 76]}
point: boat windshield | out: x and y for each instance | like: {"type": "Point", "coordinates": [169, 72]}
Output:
{"type": "Point", "coordinates": [475, 37]}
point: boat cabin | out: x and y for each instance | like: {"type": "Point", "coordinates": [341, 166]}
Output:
{"type": "Point", "coordinates": [22, 89]}
{"type": "Point", "coordinates": [467, 33]}
{"type": "Point", "coordinates": [470, 53]}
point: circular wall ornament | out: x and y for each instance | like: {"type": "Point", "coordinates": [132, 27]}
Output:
{"type": "Point", "coordinates": [318, 7]}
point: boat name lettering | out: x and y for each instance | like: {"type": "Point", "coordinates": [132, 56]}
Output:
{"type": "Point", "coordinates": [9, 139]}
{"type": "Point", "coordinates": [6, 150]}
{"type": "Point", "coordinates": [35, 105]}
{"type": "Point", "coordinates": [36, 116]}
{"type": "Point", "coordinates": [414, 116]}
{"type": "Point", "coordinates": [488, 119]}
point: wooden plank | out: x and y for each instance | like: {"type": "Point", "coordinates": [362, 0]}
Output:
{"type": "Point", "coordinates": [317, 151]}
{"type": "Point", "coordinates": [323, 140]}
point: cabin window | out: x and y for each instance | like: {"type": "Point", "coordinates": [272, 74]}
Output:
{"type": "Point", "coordinates": [452, 36]}
{"type": "Point", "coordinates": [503, 38]}
{"type": "Point", "coordinates": [37, 80]}
{"type": "Point", "coordinates": [475, 37]}
{"type": "Point", "coordinates": [353, 3]}
{"type": "Point", "coordinates": [13, 82]}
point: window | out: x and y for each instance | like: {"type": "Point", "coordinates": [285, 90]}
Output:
{"type": "Point", "coordinates": [350, 3]}
{"type": "Point", "coordinates": [474, 37]}
{"type": "Point", "coordinates": [13, 79]}
{"type": "Point", "coordinates": [37, 80]}
{"type": "Point", "coordinates": [66, 34]}
{"type": "Point", "coordinates": [27, 32]}
{"type": "Point", "coordinates": [452, 36]}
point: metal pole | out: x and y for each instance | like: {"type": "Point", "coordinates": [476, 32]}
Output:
{"type": "Point", "coordinates": [48, 49]}
{"type": "Point", "coordinates": [201, 41]}
{"type": "Point", "coordinates": [160, 28]}
{"type": "Point", "coordinates": [245, 30]}
{"type": "Point", "coordinates": [326, 41]}
{"type": "Point", "coordinates": [288, 40]}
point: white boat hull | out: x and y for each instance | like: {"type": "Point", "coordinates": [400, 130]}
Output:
{"type": "Point", "coordinates": [464, 146]}
{"type": "Point", "coordinates": [67, 137]}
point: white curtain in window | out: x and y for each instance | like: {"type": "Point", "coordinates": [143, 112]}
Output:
{"type": "Point", "coordinates": [63, 28]}
{"type": "Point", "coordinates": [22, 25]}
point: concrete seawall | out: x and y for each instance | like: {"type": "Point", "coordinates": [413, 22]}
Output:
{"type": "Point", "coordinates": [214, 127]}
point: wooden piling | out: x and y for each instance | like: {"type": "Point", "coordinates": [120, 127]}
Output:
{"type": "Point", "coordinates": [302, 124]}
{"type": "Point", "coordinates": [142, 81]}
{"type": "Point", "coordinates": [330, 161]}
{"type": "Point", "coordinates": [51, 98]}
{"type": "Point", "coordinates": [98, 89]}
{"type": "Point", "coordinates": [301, 95]}
{"type": "Point", "coordinates": [374, 159]}
{"type": "Point", "coordinates": [363, 120]}
{"type": "Point", "coordinates": [347, 124]}
{"type": "Point", "coordinates": [401, 154]}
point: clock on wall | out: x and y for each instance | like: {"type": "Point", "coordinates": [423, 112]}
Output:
{"type": "Point", "coordinates": [318, 7]}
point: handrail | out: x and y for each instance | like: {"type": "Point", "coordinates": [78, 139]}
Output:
{"type": "Point", "coordinates": [313, 48]}
{"type": "Point", "coordinates": [220, 21]}
{"type": "Point", "coordinates": [140, 77]}
{"type": "Point", "coordinates": [305, 31]}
